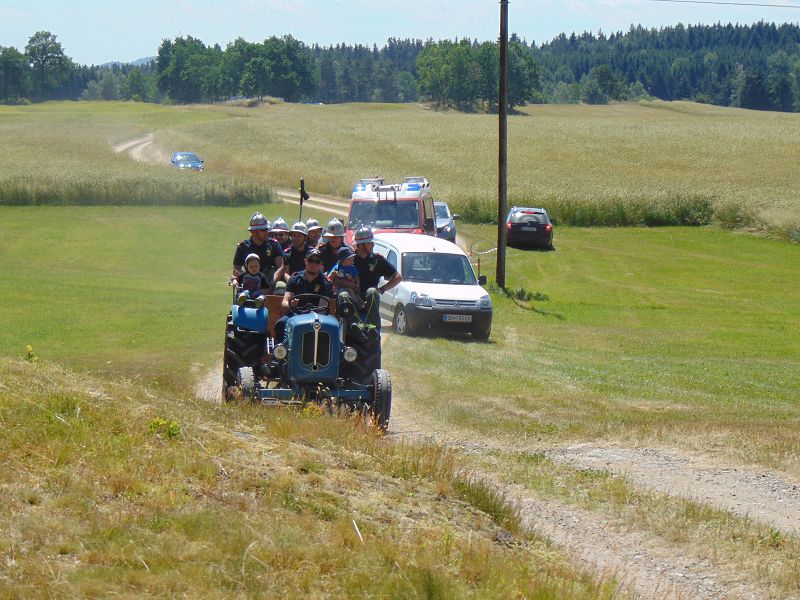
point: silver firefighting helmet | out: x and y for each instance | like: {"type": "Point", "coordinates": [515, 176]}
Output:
{"type": "Point", "coordinates": [312, 224]}
{"type": "Point", "coordinates": [299, 227]}
{"type": "Point", "coordinates": [335, 228]}
{"type": "Point", "coordinates": [279, 225]}
{"type": "Point", "coordinates": [364, 235]}
{"type": "Point", "coordinates": [258, 221]}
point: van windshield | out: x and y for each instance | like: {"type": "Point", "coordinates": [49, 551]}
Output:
{"type": "Point", "coordinates": [436, 267]}
{"type": "Point", "coordinates": [391, 214]}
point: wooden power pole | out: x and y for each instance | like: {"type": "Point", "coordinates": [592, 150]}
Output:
{"type": "Point", "coordinates": [502, 183]}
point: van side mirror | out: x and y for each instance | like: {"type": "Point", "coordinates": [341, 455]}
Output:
{"type": "Point", "coordinates": [456, 217]}
{"type": "Point", "coordinates": [482, 280]}
{"type": "Point", "coordinates": [552, 220]}
{"type": "Point", "coordinates": [430, 225]}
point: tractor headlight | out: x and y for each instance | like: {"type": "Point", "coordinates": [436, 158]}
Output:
{"type": "Point", "coordinates": [421, 299]}
{"type": "Point", "coordinates": [280, 351]}
{"type": "Point", "coordinates": [485, 302]}
{"type": "Point", "coordinates": [349, 354]}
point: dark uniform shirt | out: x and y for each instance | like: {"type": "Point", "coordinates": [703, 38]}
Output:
{"type": "Point", "coordinates": [298, 284]}
{"type": "Point", "coordinates": [329, 256]}
{"type": "Point", "coordinates": [295, 259]}
{"type": "Point", "coordinates": [267, 252]}
{"type": "Point", "coordinates": [371, 269]}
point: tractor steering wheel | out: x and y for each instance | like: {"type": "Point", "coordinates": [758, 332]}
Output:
{"type": "Point", "coordinates": [306, 303]}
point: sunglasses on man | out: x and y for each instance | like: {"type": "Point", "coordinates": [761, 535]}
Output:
{"type": "Point", "coordinates": [314, 261]}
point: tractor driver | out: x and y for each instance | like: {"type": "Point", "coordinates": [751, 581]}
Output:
{"type": "Point", "coordinates": [371, 267]}
{"type": "Point", "coordinates": [309, 281]}
{"type": "Point", "coordinates": [268, 250]}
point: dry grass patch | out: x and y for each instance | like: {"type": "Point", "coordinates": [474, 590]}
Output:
{"type": "Point", "coordinates": [108, 489]}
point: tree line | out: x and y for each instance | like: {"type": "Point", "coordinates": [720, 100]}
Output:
{"type": "Point", "coordinates": [44, 72]}
{"type": "Point", "coordinates": [750, 66]}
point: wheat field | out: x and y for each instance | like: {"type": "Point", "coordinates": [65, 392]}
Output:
{"type": "Point", "coordinates": [651, 163]}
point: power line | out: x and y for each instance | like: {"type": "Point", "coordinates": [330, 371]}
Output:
{"type": "Point", "coordinates": [727, 3]}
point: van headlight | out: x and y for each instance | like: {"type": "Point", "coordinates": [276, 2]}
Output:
{"type": "Point", "coordinates": [485, 301]}
{"type": "Point", "coordinates": [280, 351]}
{"type": "Point", "coordinates": [349, 354]}
{"type": "Point", "coordinates": [421, 299]}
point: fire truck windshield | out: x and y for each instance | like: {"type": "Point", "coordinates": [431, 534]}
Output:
{"type": "Point", "coordinates": [400, 214]}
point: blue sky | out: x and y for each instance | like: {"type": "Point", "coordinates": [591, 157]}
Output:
{"type": "Point", "coordinates": [99, 31]}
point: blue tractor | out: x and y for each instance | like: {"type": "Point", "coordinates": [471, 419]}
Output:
{"type": "Point", "coordinates": [316, 362]}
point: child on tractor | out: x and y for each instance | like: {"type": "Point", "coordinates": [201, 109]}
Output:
{"type": "Point", "coordinates": [344, 275]}
{"type": "Point", "coordinates": [253, 282]}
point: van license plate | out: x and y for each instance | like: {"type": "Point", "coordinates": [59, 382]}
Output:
{"type": "Point", "coordinates": [529, 228]}
{"type": "Point", "coordinates": [458, 318]}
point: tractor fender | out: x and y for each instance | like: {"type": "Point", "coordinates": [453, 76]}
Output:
{"type": "Point", "coordinates": [252, 319]}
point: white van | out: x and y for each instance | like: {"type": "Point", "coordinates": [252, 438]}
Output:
{"type": "Point", "coordinates": [439, 288]}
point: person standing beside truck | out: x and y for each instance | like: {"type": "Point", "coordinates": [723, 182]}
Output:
{"type": "Point", "coordinates": [371, 267]}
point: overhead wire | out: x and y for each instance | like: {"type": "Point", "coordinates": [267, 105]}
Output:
{"type": "Point", "coordinates": [721, 3]}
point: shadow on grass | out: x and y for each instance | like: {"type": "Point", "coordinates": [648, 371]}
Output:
{"type": "Point", "coordinates": [531, 248]}
{"type": "Point", "coordinates": [530, 307]}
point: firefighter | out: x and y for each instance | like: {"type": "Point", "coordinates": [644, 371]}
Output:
{"type": "Point", "coordinates": [332, 240]}
{"type": "Point", "coordinates": [294, 254]}
{"type": "Point", "coordinates": [314, 232]}
{"type": "Point", "coordinates": [371, 267]}
{"type": "Point", "coordinates": [307, 281]}
{"type": "Point", "coordinates": [269, 251]}
{"type": "Point", "coordinates": [280, 232]}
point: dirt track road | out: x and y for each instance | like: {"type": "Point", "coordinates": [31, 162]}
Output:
{"type": "Point", "coordinates": [644, 566]}
{"type": "Point", "coordinates": [143, 150]}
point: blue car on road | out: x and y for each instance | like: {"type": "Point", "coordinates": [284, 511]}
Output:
{"type": "Point", "coordinates": [187, 160]}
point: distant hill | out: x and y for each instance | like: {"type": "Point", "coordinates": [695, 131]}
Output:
{"type": "Point", "coordinates": [136, 63]}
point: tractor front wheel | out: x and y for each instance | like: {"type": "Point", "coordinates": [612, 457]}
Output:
{"type": "Point", "coordinates": [246, 381]}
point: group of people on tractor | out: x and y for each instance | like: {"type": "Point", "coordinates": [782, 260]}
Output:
{"type": "Point", "coordinates": [308, 259]}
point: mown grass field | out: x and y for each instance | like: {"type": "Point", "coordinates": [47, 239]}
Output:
{"type": "Point", "coordinates": [665, 337]}
{"type": "Point", "coordinates": [678, 336]}
{"type": "Point", "coordinates": [118, 481]}
{"type": "Point", "coordinates": [647, 334]}
{"type": "Point", "coordinates": [652, 163]}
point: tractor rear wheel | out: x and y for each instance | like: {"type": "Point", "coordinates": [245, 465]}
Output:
{"type": "Point", "coordinates": [242, 349]}
{"type": "Point", "coordinates": [381, 407]}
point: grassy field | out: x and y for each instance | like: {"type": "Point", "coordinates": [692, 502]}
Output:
{"type": "Point", "coordinates": [652, 163]}
{"type": "Point", "coordinates": [119, 481]}
{"type": "Point", "coordinates": [667, 333]}
{"type": "Point", "coordinates": [677, 336]}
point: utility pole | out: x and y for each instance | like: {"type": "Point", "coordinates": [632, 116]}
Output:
{"type": "Point", "coordinates": [502, 183]}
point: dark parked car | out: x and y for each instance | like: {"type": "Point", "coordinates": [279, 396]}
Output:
{"type": "Point", "coordinates": [187, 160]}
{"type": "Point", "coordinates": [445, 222]}
{"type": "Point", "coordinates": [529, 227]}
